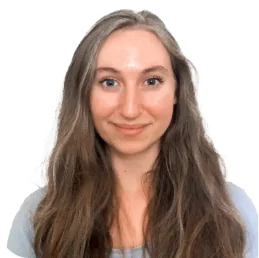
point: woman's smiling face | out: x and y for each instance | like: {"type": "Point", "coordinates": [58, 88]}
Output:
{"type": "Point", "coordinates": [133, 95]}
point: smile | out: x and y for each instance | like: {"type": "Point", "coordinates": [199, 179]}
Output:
{"type": "Point", "coordinates": [130, 129]}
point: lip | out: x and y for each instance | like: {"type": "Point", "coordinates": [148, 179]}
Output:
{"type": "Point", "coordinates": [130, 129]}
{"type": "Point", "coordinates": [133, 126]}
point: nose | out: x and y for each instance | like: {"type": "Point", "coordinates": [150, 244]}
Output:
{"type": "Point", "coordinates": [130, 102]}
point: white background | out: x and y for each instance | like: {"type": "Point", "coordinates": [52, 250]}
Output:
{"type": "Point", "coordinates": [37, 41]}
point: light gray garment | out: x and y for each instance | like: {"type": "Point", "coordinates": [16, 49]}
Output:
{"type": "Point", "coordinates": [20, 240]}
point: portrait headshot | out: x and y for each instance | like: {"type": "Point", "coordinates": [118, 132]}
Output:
{"type": "Point", "coordinates": [136, 168]}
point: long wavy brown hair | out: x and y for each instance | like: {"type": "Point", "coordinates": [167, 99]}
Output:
{"type": "Point", "coordinates": [190, 213]}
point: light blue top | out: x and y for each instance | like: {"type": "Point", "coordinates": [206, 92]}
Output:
{"type": "Point", "coordinates": [20, 240]}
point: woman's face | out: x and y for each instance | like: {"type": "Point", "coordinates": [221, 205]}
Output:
{"type": "Point", "coordinates": [133, 95]}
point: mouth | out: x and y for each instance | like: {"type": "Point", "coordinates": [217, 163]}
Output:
{"type": "Point", "coordinates": [127, 129]}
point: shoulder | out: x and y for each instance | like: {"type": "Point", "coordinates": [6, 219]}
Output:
{"type": "Point", "coordinates": [20, 239]}
{"type": "Point", "coordinates": [249, 214]}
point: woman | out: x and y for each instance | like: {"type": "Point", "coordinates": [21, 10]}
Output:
{"type": "Point", "coordinates": [133, 171]}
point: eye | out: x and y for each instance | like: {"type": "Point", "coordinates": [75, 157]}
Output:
{"type": "Point", "coordinates": [107, 82]}
{"type": "Point", "coordinates": [154, 81]}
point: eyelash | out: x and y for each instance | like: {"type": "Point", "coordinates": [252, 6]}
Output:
{"type": "Point", "coordinates": [158, 78]}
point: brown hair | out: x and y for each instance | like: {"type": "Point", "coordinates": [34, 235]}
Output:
{"type": "Point", "coordinates": [190, 213]}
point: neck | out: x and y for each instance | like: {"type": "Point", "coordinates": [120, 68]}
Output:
{"type": "Point", "coordinates": [131, 169]}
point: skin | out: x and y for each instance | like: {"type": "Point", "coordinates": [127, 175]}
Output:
{"type": "Point", "coordinates": [125, 93]}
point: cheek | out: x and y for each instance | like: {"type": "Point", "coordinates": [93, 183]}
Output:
{"type": "Point", "coordinates": [101, 104]}
{"type": "Point", "coordinates": [161, 106]}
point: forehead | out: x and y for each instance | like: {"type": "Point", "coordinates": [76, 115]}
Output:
{"type": "Point", "coordinates": [133, 48]}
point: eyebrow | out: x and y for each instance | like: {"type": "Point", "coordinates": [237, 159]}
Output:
{"type": "Point", "coordinates": [145, 71]}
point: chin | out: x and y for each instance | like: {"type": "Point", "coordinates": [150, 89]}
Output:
{"type": "Point", "coordinates": [128, 151]}
{"type": "Point", "coordinates": [131, 148]}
